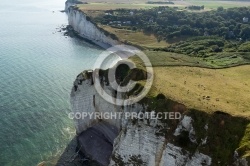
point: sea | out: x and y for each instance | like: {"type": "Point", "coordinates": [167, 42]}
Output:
{"type": "Point", "coordinates": [38, 66]}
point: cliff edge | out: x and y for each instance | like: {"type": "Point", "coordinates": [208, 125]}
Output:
{"type": "Point", "coordinates": [87, 29]}
{"type": "Point", "coordinates": [197, 138]}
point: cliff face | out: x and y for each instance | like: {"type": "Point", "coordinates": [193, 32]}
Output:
{"type": "Point", "coordinates": [196, 139]}
{"type": "Point", "coordinates": [140, 142]}
{"type": "Point", "coordinates": [86, 28]}
{"type": "Point", "coordinates": [68, 4]}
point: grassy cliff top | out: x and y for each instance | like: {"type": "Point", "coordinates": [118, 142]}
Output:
{"type": "Point", "coordinates": [193, 81]}
{"type": "Point", "coordinates": [209, 90]}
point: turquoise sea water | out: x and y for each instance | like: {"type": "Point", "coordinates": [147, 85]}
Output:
{"type": "Point", "coordinates": [37, 68]}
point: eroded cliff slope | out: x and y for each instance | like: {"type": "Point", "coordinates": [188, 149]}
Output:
{"type": "Point", "coordinates": [87, 29]}
{"type": "Point", "coordinates": [198, 138]}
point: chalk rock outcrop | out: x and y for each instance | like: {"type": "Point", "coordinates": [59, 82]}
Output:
{"type": "Point", "coordinates": [137, 142]}
{"type": "Point", "coordinates": [87, 29]}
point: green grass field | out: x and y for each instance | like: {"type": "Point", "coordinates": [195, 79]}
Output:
{"type": "Point", "coordinates": [109, 6]}
{"type": "Point", "coordinates": [215, 4]}
{"type": "Point", "coordinates": [187, 79]}
{"type": "Point", "coordinates": [221, 60]}
{"type": "Point", "coordinates": [228, 89]}
{"type": "Point", "coordinates": [142, 4]}
{"type": "Point", "coordinates": [136, 37]}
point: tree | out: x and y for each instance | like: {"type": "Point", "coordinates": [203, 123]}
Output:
{"type": "Point", "coordinates": [245, 32]}
{"type": "Point", "coordinates": [220, 9]}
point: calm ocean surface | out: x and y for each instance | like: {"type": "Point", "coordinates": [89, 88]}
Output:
{"type": "Point", "coordinates": [37, 68]}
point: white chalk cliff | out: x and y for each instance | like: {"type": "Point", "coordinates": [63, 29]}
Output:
{"type": "Point", "coordinates": [69, 4]}
{"type": "Point", "coordinates": [137, 142]}
{"type": "Point", "coordinates": [82, 24]}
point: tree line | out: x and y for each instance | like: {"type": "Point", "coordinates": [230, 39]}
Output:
{"type": "Point", "coordinates": [167, 23]}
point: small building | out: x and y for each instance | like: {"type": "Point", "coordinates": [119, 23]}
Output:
{"type": "Point", "coordinates": [245, 19]}
{"type": "Point", "coordinates": [108, 14]}
{"type": "Point", "coordinates": [159, 12]}
{"type": "Point", "coordinates": [131, 13]}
